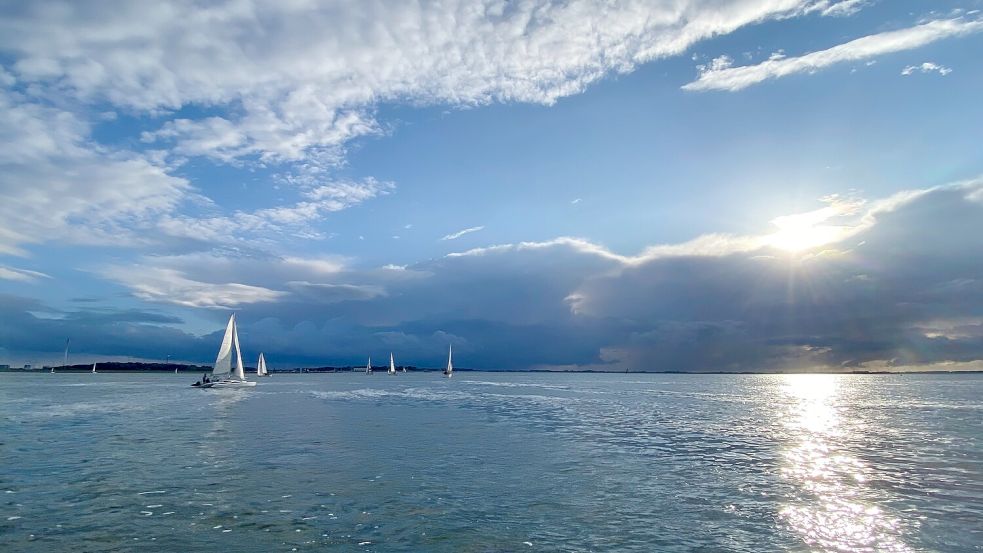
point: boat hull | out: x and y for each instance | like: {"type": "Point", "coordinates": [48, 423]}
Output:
{"type": "Point", "coordinates": [229, 384]}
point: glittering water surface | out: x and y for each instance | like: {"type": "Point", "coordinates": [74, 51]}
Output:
{"type": "Point", "coordinates": [493, 462]}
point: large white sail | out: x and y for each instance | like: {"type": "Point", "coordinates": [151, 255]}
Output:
{"type": "Point", "coordinates": [392, 364]}
{"type": "Point", "coordinates": [368, 367]}
{"type": "Point", "coordinates": [450, 364]}
{"type": "Point", "coordinates": [235, 340]}
{"type": "Point", "coordinates": [93, 367]}
{"type": "Point", "coordinates": [261, 366]}
{"type": "Point", "coordinates": [223, 363]}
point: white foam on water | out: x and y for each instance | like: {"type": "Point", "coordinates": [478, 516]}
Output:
{"type": "Point", "coordinates": [13, 518]}
{"type": "Point", "coordinates": [216, 527]}
{"type": "Point", "coordinates": [529, 543]}
{"type": "Point", "coordinates": [167, 513]}
{"type": "Point", "coordinates": [146, 513]}
{"type": "Point", "coordinates": [364, 543]}
{"type": "Point", "coordinates": [153, 506]}
{"type": "Point", "coordinates": [153, 492]}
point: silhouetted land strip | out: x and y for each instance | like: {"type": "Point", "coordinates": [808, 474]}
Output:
{"type": "Point", "coordinates": [120, 367]}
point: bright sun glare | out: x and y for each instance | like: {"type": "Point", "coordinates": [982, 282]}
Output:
{"type": "Point", "coordinates": [804, 231]}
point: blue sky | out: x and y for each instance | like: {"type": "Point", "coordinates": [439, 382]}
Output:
{"type": "Point", "coordinates": [518, 179]}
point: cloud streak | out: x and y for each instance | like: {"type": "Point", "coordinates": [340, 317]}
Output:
{"type": "Point", "coordinates": [460, 233]}
{"type": "Point", "coordinates": [725, 77]}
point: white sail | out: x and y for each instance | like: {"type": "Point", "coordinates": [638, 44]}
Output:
{"type": "Point", "coordinates": [223, 363]}
{"type": "Point", "coordinates": [93, 367]}
{"type": "Point", "coordinates": [392, 364]}
{"type": "Point", "coordinates": [239, 373]}
{"type": "Point", "coordinates": [368, 366]}
{"type": "Point", "coordinates": [450, 365]}
{"type": "Point", "coordinates": [261, 366]}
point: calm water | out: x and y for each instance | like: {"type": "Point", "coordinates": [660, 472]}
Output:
{"type": "Point", "coordinates": [492, 462]}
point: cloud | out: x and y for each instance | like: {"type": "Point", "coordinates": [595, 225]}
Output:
{"type": "Point", "coordinates": [737, 78]}
{"type": "Point", "coordinates": [170, 286]}
{"type": "Point", "coordinates": [926, 67]}
{"type": "Point", "coordinates": [23, 275]}
{"type": "Point", "coordinates": [897, 289]}
{"type": "Point", "coordinates": [839, 9]}
{"type": "Point", "coordinates": [312, 83]}
{"type": "Point", "coordinates": [460, 233]}
{"type": "Point", "coordinates": [57, 185]}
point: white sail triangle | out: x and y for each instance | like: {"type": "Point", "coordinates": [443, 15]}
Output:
{"type": "Point", "coordinates": [449, 371]}
{"type": "Point", "coordinates": [392, 364]}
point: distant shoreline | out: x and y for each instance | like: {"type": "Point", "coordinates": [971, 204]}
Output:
{"type": "Point", "coordinates": [118, 367]}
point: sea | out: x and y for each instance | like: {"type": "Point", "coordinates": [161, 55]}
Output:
{"type": "Point", "coordinates": [492, 462]}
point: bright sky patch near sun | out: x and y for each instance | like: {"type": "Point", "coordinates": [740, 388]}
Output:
{"type": "Point", "coordinates": [559, 185]}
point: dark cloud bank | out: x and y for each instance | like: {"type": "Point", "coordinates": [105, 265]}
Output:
{"type": "Point", "coordinates": [906, 290]}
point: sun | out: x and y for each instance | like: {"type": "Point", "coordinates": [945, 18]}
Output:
{"type": "Point", "coordinates": [804, 231]}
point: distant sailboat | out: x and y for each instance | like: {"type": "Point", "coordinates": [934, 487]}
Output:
{"type": "Point", "coordinates": [224, 375]}
{"type": "Point", "coordinates": [392, 364]}
{"type": "Point", "coordinates": [93, 368]}
{"type": "Point", "coordinates": [449, 371]}
{"type": "Point", "coordinates": [368, 366]}
{"type": "Point", "coordinates": [261, 367]}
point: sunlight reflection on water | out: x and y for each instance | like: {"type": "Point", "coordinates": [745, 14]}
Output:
{"type": "Point", "coordinates": [829, 510]}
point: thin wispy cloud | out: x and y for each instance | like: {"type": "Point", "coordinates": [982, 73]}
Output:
{"type": "Point", "coordinates": [722, 76]}
{"type": "Point", "coordinates": [575, 201]}
{"type": "Point", "coordinates": [460, 233]}
{"type": "Point", "coordinates": [22, 275]}
{"type": "Point", "coordinates": [927, 67]}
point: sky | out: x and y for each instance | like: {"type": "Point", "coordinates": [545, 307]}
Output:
{"type": "Point", "coordinates": [694, 185]}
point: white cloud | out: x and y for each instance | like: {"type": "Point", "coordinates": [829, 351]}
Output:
{"type": "Point", "coordinates": [57, 185]}
{"type": "Point", "coordinates": [159, 284]}
{"type": "Point", "coordinates": [926, 67]}
{"type": "Point", "coordinates": [839, 9]}
{"type": "Point", "coordinates": [22, 275]}
{"type": "Point", "coordinates": [737, 78]}
{"type": "Point", "coordinates": [297, 80]}
{"type": "Point", "coordinates": [460, 233]}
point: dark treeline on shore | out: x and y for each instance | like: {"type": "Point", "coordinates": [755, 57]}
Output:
{"type": "Point", "coordinates": [109, 367]}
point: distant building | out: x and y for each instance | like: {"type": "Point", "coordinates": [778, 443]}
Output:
{"type": "Point", "coordinates": [4, 367]}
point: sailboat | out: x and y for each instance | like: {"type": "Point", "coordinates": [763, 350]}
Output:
{"type": "Point", "coordinates": [93, 368]}
{"type": "Point", "coordinates": [368, 366]}
{"type": "Point", "coordinates": [261, 367]}
{"type": "Point", "coordinates": [224, 375]}
{"type": "Point", "coordinates": [392, 364]}
{"type": "Point", "coordinates": [449, 371]}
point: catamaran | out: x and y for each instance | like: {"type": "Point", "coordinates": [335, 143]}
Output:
{"type": "Point", "coordinates": [368, 366]}
{"type": "Point", "coordinates": [392, 364]}
{"type": "Point", "coordinates": [449, 371]}
{"type": "Point", "coordinates": [261, 367]}
{"type": "Point", "coordinates": [224, 375]}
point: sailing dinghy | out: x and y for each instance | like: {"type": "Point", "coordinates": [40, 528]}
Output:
{"type": "Point", "coordinates": [224, 375]}
{"type": "Point", "coordinates": [368, 366]}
